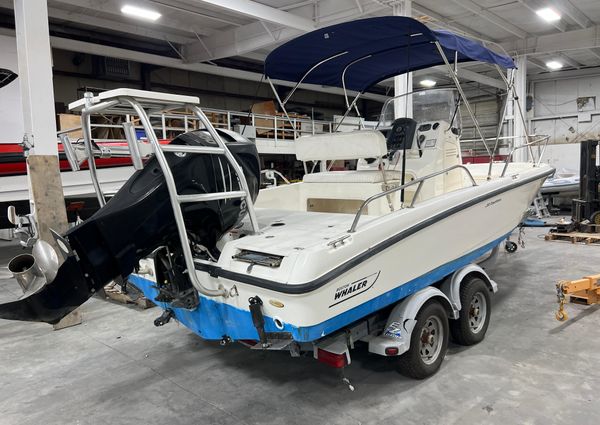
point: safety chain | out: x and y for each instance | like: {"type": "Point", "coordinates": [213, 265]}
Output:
{"type": "Point", "coordinates": [521, 238]}
{"type": "Point", "coordinates": [561, 314]}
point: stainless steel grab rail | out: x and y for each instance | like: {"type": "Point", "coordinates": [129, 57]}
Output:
{"type": "Point", "coordinates": [528, 145]}
{"type": "Point", "coordinates": [137, 105]}
{"type": "Point", "coordinates": [418, 181]}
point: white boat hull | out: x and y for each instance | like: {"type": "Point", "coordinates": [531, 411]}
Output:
{"type": "Point", "coordinates": [385, 260]}
{"type": "Point", "coordinates": [75, 183]}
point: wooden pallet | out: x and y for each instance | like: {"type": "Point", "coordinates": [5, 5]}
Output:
{"type": "Point", "coordinates": [114, 292]}
{"type": "Point", "coordinates": [574, 237]}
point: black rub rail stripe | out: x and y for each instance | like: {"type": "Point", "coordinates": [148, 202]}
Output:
{"type": "Point", "coordinates": [18, 157]}
{"type": "Point", "coordinates": [11, 157]}
{"type": "Point", "coordinates": [353, 262]}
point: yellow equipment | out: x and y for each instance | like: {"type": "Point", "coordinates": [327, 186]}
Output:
{"type": "Point", "coordinates": [584, 291]}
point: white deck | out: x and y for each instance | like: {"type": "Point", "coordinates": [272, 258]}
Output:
{"type": "Point", "coordinates": [287, 232]}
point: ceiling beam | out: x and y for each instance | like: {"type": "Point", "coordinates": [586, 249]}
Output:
{"type": "Point", "coordinates": [359, 6]}
{"type": "Point", "coordinates": [570, 40]}
{"type": "Point", "coordinates": [441, 21]}
{"type": "Point", "coordinates": [250, 37]}
{"type": "Point", "coordinates": [595, 51]}
{"type": "Point", "coordinates": [236, 42]}
{"type": "Point", "coordinates": [186, 10]}
{"type": "Point", "coordinates": [110, 24]}
{"type": "Point", "coordinates": [538, 63]}
{"type": "Point", "coordinates": [576, 15]}
{"type": "Point", "coordinates": [96, 6]}
{"type": "Point", "coordinates": [491, 17]}
{"type": "Point", "coordinates": [467, 75]}
{"type": "Point", "coordinates": [569, 60]}
{"type": "Point", "coordinates": [535, 5]}
{"type": "Point", "coordinates": [167, 62]}
{"type": "Point", "coordinates": [559, 75]}
{"type": "Point", "coordinates": [262, 12]}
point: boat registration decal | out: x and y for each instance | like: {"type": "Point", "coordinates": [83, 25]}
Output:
{"type": "Point", "coordinates": [350, 290]}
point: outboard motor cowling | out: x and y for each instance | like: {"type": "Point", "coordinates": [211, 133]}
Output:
{"type": "Point", "coordinates": [138, 220]}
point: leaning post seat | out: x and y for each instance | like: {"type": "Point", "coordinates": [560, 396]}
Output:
{"type": "Point", "coordinates": [344, 146]}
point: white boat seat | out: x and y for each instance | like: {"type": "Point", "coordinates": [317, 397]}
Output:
{"type": "Point", "coordinates": [338, 146]}
{"type": "Point", "coordinates": [353, 176]}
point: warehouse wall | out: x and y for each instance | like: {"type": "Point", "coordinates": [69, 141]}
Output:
{"type": "Point", "coordinates": [487, 110]}
{"type": "Point", "coordinates": [74, 71]}
{"type": "Point", "coordinates": [569, 111]}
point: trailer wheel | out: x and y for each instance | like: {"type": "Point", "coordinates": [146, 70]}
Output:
{"type": "Point", "coordinates": [510, 247]}
{"type": "Point", "coordinates": [474, 318]}
{"type": "Point", "coordinates": [428, 343]}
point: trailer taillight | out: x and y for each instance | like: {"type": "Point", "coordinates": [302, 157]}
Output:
{"type": "Point", "coordinates": [391, 351]}
{"type": "Point", "coordinates": [332, 359]}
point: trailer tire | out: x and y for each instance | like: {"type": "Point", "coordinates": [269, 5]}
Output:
{"type": "Point", "coordinates": [428, 343]}
{"type": "Point", "coordinates": [474, 316]}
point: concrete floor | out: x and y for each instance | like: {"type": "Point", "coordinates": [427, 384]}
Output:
{"type": "Point", "coordinates": [117, 368]}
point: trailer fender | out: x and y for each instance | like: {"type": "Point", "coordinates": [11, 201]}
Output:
{"type": "Point", "coordinates": [402, 320]}
{"type": "Point", "coordinates": [451, 285]}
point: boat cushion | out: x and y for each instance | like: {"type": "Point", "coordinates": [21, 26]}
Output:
{"type": "Point", "coordinates": [354, 176]}
{"type": "Point", "coordinates": [336, 146]}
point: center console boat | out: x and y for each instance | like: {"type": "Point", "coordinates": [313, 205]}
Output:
{"type": "Point", "coordinates": [385, 252]}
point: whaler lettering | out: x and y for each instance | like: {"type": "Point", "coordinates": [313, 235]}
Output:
{"type": "Point", "coordinates": [346, 290]}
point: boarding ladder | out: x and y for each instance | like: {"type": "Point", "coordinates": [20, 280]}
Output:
{"type": "Point", "coordinates": [143, 103]}
{"type": "Point", "coordinates": [540, 207]}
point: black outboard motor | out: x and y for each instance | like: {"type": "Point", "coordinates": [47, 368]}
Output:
{"type": "Point", "coordinates": [139, 219]}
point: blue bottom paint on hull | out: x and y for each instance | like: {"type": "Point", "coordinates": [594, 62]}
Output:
{"type": "Point", "coordinates": [213, 320]}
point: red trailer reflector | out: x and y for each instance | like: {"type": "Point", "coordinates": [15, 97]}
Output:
{"type": "Point", "coordinates": [391, 351]}
{"type": "Point", "coordinates": [332, 359]}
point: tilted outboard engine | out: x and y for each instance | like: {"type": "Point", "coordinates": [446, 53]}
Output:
{"type": "Point", "coordinates": [138, 220]}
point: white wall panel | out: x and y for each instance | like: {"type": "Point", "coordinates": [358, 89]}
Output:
{"type": "Point", "coordinates": [564, 156]}
{"type": "Point", "coordinates": [557, 113]}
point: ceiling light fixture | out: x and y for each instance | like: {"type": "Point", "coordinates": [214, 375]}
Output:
{"type": "Point", "coordinates": [427, 83]}
{"type": "Point", "coordinates": [140, 13]}
{"type": "Point", "coordinates": [554, 65]}
{"type": "Point", "coordinates": [548, 14]}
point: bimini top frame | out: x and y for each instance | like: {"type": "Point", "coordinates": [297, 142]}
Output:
{"type": "Point", "coordinates": [359, 54]}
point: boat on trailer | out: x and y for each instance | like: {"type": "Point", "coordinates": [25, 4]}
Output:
{"type": "Point", "coordinates": [387, 253]}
